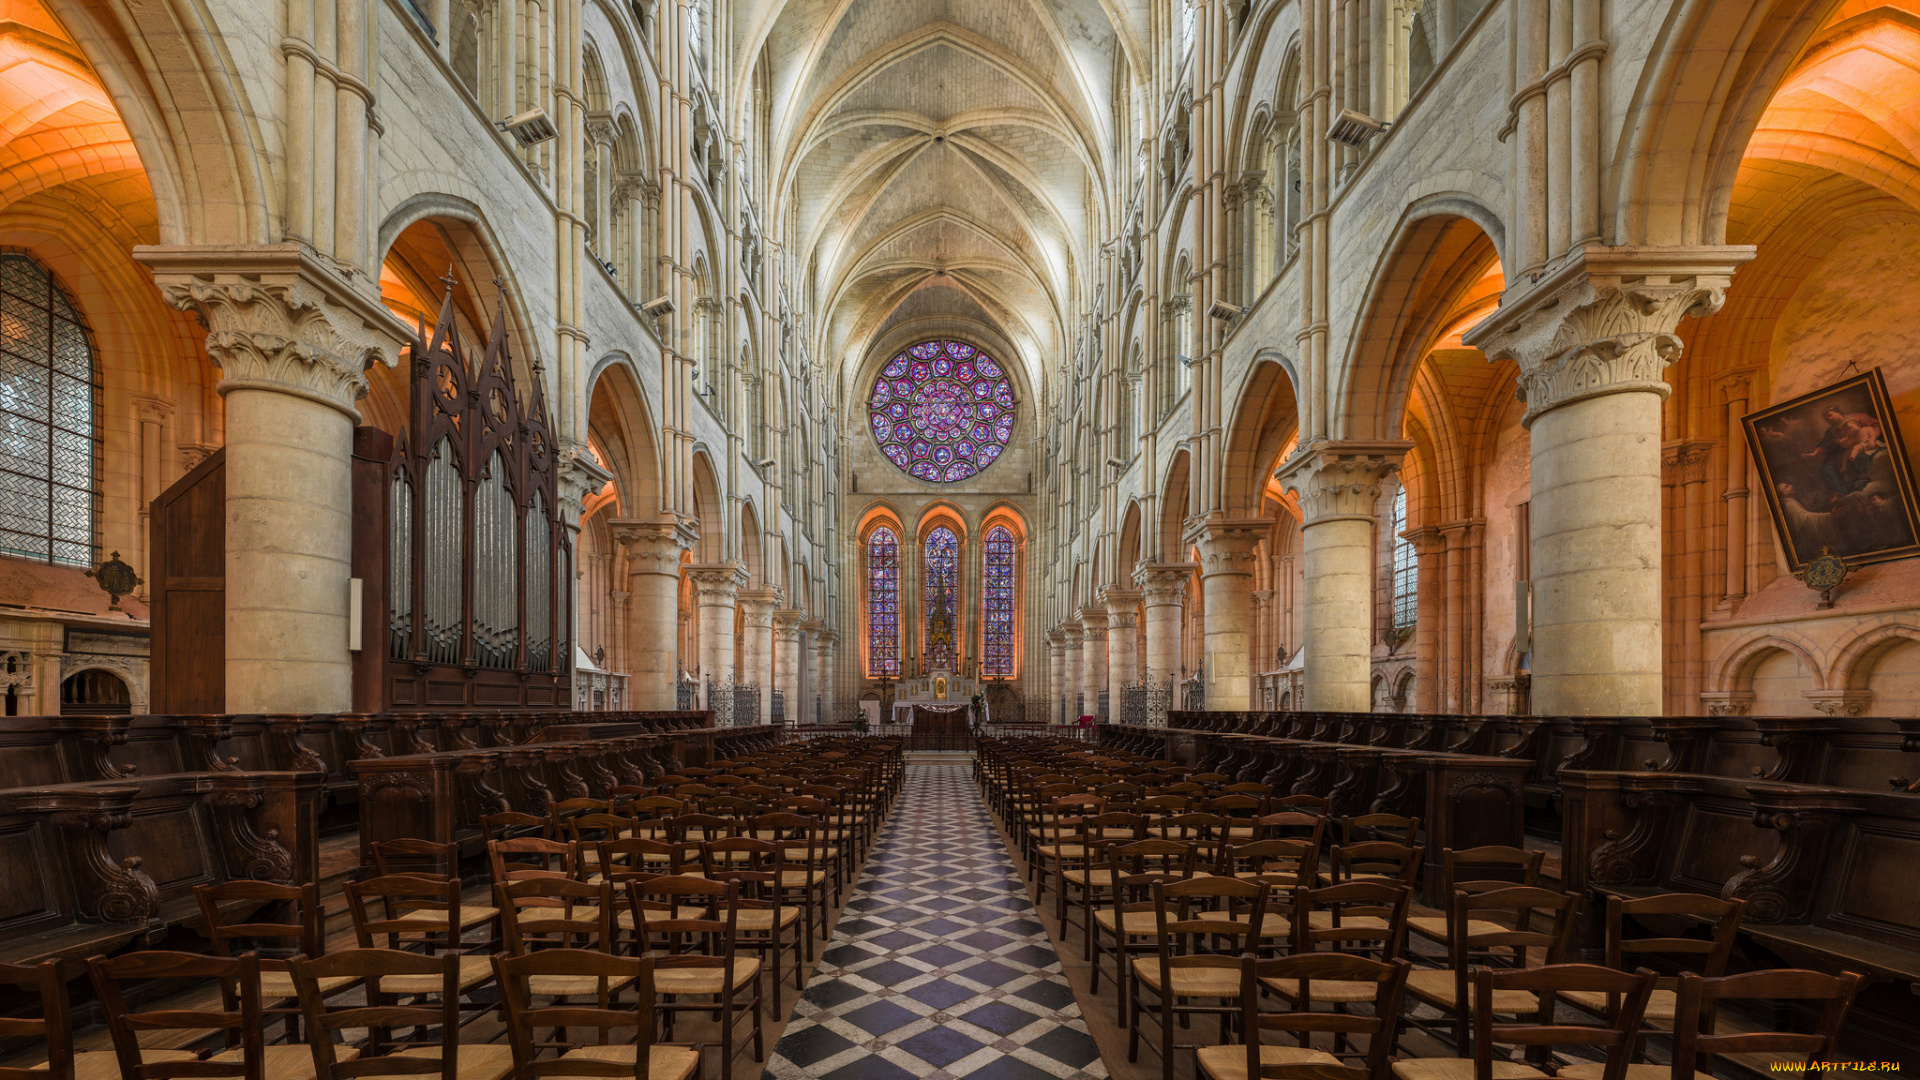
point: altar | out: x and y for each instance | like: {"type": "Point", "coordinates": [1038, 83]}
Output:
{"type": "Point", "coordinates": [937, 698]}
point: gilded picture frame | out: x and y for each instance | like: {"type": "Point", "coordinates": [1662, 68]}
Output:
{"type": "Point", "coordinates": [1834, 469]}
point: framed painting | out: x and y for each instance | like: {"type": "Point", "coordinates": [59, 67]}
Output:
{"type": "Point", "coordinates": [1835, 473]}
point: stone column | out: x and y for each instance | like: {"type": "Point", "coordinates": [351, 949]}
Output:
{"type": "Point", "coordinates": [786, 662]}
{"type": "Point", "coordinates": [292, 340]}
{"type": "Point", "coordinates": [826, 643]}
{"type": "Point", "coordinates": [1162, 589]}
{"type": "Point", "coordinates": [756, 646]}
{"type": "Point", "coordinates": [1227, 553]}
{"type": "Point", "coordinates": [1338, 483]}
{"type": "Point", "coordinates": [1057, 681]}
{"type": "Point", "coordinates": [1075, 684]}
{"type": "Point", "coordinates": [1123, 644]}
{"type": "Point", "coordinates": [716, 587]}
{"type": "Point", "coordinates": [653, 550]}
{"type": "Point", "coordinates": [1429, 598]}
{"type": "Point", "coordinates": [1093, 657]}
{"type": "Point", "coordinates": [1592, 340]}
{"type": "Point", "coordinates": [1736, 388]}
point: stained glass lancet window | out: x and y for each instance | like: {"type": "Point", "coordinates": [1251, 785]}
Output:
{"type": "Point", "coordinates": [883, 602]}
{"type": "Point", "coordinates": [998, 591]}
{"type": "Point", "coordinates": [943, 605]}
{"type": "Point", "coordinates": [942, 411]}
{"type": "Point", "coordinates": [1406, 567]}
{"type": "Point", "coordinates": [48, 421]}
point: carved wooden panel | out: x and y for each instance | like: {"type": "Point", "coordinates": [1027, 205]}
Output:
{"type": "Point", "coordinates": [1877, 894]}
{"type": "Point", "coordinates": [26, 898]}
{"type": "Point", "coordinates": [1713, 836]}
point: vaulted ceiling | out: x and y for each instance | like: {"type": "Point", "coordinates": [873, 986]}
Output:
{"type": "Point", "coordinates": [942, 164]}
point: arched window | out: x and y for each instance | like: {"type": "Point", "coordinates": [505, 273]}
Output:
{"type": "Point", "coordinates": [943, 604]}
{"type": "Point", "coordinates": [1406, 567]}
{"type": "Point", "coordinates": [997, 592]}
{"type": "Point", "coordinates": [883, 602]}
{"type": "Point", "coordinates": [49, 420]}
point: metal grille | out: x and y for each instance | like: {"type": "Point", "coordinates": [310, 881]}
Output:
{"type": "Point", "coordinates": [720, 703]}
{"type": "Point", "coordinates": [777, 707]}
{"type": "Point", "coordinates": [49, 419]}
{"type": "Point", "coordinates": [1103, 713]}
{"type": "Point", "coordinates": [746, 704]}
{"type": "Point", "coordinates": [683, 694]}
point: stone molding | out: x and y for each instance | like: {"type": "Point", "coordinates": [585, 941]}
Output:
{"type": "Point", "coordinates": [1840, 702]}
{"type": "Point", "coordinates": [717, 583]}
{"type": "Point", "coordinates": [1228, 546]}
{"type": "Point", "coordinates": [1603, 322]}
{"type": "Point", "coordinates": [1162, 584]}
{"type": "Point", "coordinates": [1337, 481]}
{"type": "Point", "coordinates": [655, 547]}
{"type": "Point", "coordinates": [279, 318]}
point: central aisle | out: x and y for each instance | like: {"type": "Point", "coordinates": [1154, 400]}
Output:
{"type": "Point", "coordinates": [939, 966]}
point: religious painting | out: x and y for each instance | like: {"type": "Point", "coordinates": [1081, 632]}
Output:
{"type": "Point", "coordinates": [1835, 473]}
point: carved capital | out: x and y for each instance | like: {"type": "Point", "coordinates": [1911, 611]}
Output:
{"type": "Point", "coordinates": [1726, 702]}
{"type": "Point", "coordinates": [1336, 480]}
{"type": "Point", "coordinates": [1093, 622]}
{"type": "Point", "coordinates": [1840, 702]}
{"type": "Point", "coordinates": [757, 607]}
{"type": "Point", "coordinates": [150, 409]}
{"type": "Point", "coordinates": [579, 476]}
{"type": "Point", "coordinates": [1228, 547]}
{"type": "Point", "coordinates": [278, 318]}
{"type": "Point", "coordinates": [1685, 462]}
{"type": "Point", "coordinates": [655, 547]}
{"type": "Point", "coordinates": [1162, 584]}
{"type": "Point", "coordinates": [1736, 385]}
{"type": "Point", "coordinates": [1603, 322]}
{"type": "Point", "coordinates": [787, 625]}
{"type": "Point", "coordinates": [717, 583]}
{"type": "Point", "coordinates": [1123, 607]}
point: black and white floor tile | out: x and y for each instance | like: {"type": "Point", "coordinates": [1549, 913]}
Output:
{"type": "Point", "coordinates": [940, 967]}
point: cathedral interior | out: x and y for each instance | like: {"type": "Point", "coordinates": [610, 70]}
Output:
{"type": "Point", "coordinates": [959, 538]}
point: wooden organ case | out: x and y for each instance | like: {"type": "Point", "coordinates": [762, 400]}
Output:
{"type": "Point", "coordinates": [459, 540]}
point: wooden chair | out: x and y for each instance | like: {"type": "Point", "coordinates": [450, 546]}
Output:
{"type": "Point", "coordinates": [1373, 860]}
{"type": "Point", "coordinates": [380, 1053]}
{"type": "Point", "coordinates": [1202, 926]}
{"type": "Point", "coordinates": [54, 1028]}
{"type": "Point", "coordinates": [408, 906]}
{"type": "Point", "coordinates": [1358, 918]}
{"type": "Point", "coordinates": [1670, 912]}
{"type": "Point", "coordinates": [1128, 920]}
{"type": "Point", "coordinates": [1382, 983]}
{"type": "Point", "coordinates": [303, 936]}
{"type": "Point", "coordinates": [1360, 828]}
{"type": "Point", "coordinates": [767, 925]}
{"type": "Point", "coordinates": [512, 825]}
{"type": "Point", "coordinates": [1698, 999]}
{"type": "Point", "coordinates": [532, 857]}
{"type": "Point", "coordinates": [632, 1056]}
{"type": "Point", "coordinates": [1080, 877]}
{"type": "Point", "coordinates": [811, 875]}
{"type": "Point", "coordinates": [1614, 1037]}
{"type": "Point", "coordinates": [1477, 935]}
{"type": "Point", "coordinates": [247, 1054]}
{"type": "Point", "coordinates": [1480, 869]}
{"type": "Point", "coordinates": [699, 958]}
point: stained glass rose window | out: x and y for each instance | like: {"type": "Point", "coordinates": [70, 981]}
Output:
{"type": "Point", "coordinates": [942, 411]}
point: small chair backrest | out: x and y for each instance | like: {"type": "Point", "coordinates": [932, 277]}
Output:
{"type": "Point", "coordinates": [1280, 863]}
{"type": "Point", "coordinates": [591, 828]}
{"type": "Point", "coordinates": [301, 936]}
{"type": "Point", "coordinates": [1698, 998]}
{"type": "Point", "coordinates": [555, 913]}
{"type": "Point", "coordinates": [53, 1028]}
{"type": "Point", "coordinates": [532, 857]}
{"type": "Point", "coordinates": [1317, 803]}
{"type": "Point", "coordinates": [1664, 912]}
{"type": "Point", "coordinates": [1363, 827]}
{"type": "Point", "coordinates": [510, 824]}
{"type": "Point", "coordinates": [379, 1015]}
{"type": "Point", "coordinates": [1390, 981]}
{"type": "Point", "coordinates": [241, 1026]}
{"type": "Point", "coordinates": [1198, 909]}
{"type": "Point", "coordinates": [695, 942]}
{"type": "Point", "coordinates": [1614, 1036]}
{"type": "Point", "coordinates": [516, 974]}
{"type": "Point", "coordinates": [1362, 916]}
{"type": "Point", "coordinates": [397, 896]}
{"type": "Point", "coordinates": [411, 855]}
{"type": "Point", "coordinates": [619, 860]}
{"type": "Point", "coordinates": [1494, 866]}
{"type": "Point", "coordinates": [1377, 859]}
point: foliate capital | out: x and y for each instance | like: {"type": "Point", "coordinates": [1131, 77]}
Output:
{"type": "Point", "coordinates": [1228, 547]}
{"type": "Point", "coordinates": [1336, 480]}
{"type": "Point", "coordinates": [1093, 622]}
{"type": "Point", "coordinates": [1162, 583]}
{"type": "Point", "coordinates": [757, 606]}
{"type": "Point", "coordinates": [579, 476]}
{"type": "Point", "coordinates": [717, 583]}
{"type": "Point", "coordinates": [787, 624]}
{"type": "Point", "coordinates": [655, 547]}
{"type": "Point", "coordinates": [279, 318]}
{"type": "Point", "coordinates": [1123, 607]}
{"type": "Point", "coordinates": [1603, 322]}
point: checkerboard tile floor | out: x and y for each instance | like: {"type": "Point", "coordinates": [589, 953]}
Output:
{"type": "Point", "coordinates": [939, 967]}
